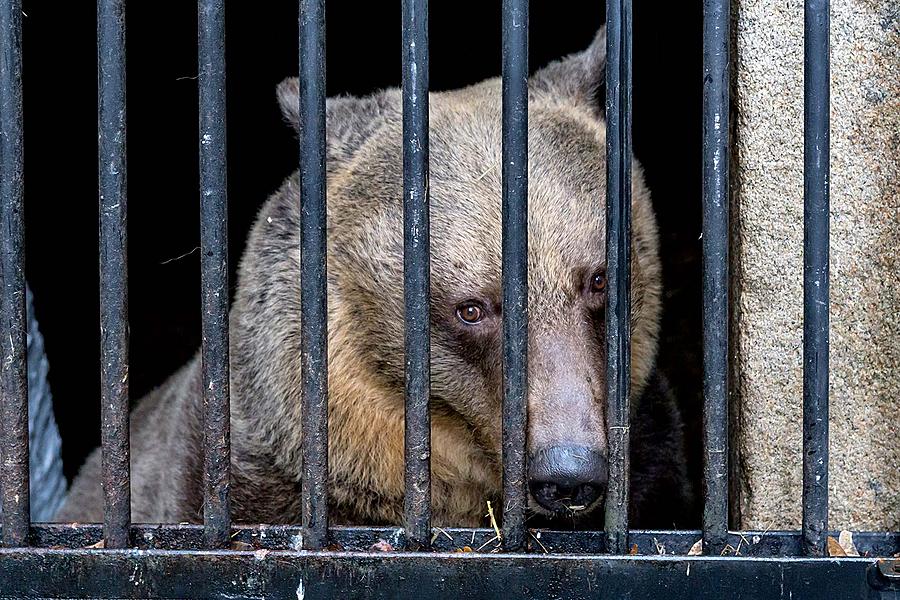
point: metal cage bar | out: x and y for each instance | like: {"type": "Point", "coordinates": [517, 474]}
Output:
{"type": "Point", "coordinates": [113, 273]}
{"type": "Point", "coordinates": [618, 256]}
{"type": "Point", "coordinates": [314, 288]}
{"type": "Point", "coordinates": [214, 273]}
{"type": "Point", "coordinates": [417, 275]}
{"type": "Point", "coordinates": [716, 15]}
{"type": "Point", "coordinates": [816, 154]}
{"type": "Point", "coordinates": [13, 376]}
{"type": "Point", "coordinates": [515, 270]}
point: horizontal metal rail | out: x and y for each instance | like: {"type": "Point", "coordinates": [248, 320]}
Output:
{"type": "Point", "coordinates": [748, 544]}
{"type": "Point", "coordinates": [29, 573]}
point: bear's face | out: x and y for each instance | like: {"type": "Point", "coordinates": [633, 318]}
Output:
{"type": "Point", "coordinates": [566, 439]}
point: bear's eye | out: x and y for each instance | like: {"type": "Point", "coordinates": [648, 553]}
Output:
{"type": "Point", "coordinates": [470, 313]}
{"type": "Point", "coordinates": [598, 283]}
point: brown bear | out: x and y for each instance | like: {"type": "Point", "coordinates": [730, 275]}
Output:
{"type": "Point", "coordinates": [566, 398]}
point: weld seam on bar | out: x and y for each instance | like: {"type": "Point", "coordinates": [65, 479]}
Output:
{"type": "Point", "coordinates": [515, 270]}
{"type": "Point", "coordinates": [816, 154]}
{"type": "Point", "coordinates": [214, 273]}
{"type": "Point", "coordinates": [13, 375]}
{"type": "Point", "coordinates": [313, 296]}
{"type": "Point", "coordinates": [113, 273]}
{"type": "Point", "coordinates": [618, 251]}
{"type": "Point", "coordinates": [417, 277]}
{"type": "Point", "coordinates": [716, 15]}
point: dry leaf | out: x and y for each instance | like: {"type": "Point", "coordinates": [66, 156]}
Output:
{"type": "Point", "coordinates": [241, 546]}
{"type": "Point", "coordinates": [100, 544]}
{"type": "Point", "coordinates": [465, 549]}
{"type": "Point", "coordinates": [696, 549]}
{"type": "Point", "coordinates": [845, 539]}
{"type": "Point", "coordinates": [634, 550]}
{"type": "Point", "coordinates": [834, 548]}
{"type": "Point", "coordinates": [381, 546]}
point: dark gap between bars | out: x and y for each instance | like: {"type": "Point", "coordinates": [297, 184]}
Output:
{"type": "Point", "coordinates": [618, 251]}
{"type": "Point", "coordinates": [214, 273]}
{"type": "Point", "coordinates": [113, 273]}
{"type": "Point", "coordinates": [716, 15]}
{"type": "Point", "coordinates": [816, 133]}
{"type": "Point", "coordinates": [13, 378]}
{"type": "Point", "coordinates": [313, 296]}
{"type": "Point", "coordinates": [515, 270]}
{"type": "Point", "coordinates": [417, 276]}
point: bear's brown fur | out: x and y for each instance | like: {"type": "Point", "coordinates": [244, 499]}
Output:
{"type": "Point", "coordinates": [365, 300]}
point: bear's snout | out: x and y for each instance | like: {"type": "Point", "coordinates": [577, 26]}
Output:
{"type": "Point", "coordinates": [568, 479]}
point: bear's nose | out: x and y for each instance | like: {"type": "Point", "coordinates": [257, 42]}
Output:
{"type": "Point", "coordinates": [566, 479]}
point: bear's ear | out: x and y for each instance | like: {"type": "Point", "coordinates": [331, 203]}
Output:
{"type": "Point", "coordinates": [349, 121]}
{"type": "Point", "coordinates": [580, 77]}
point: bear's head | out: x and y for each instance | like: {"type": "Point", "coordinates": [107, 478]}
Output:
{"type": "Point", "coordinates": [567, 442]}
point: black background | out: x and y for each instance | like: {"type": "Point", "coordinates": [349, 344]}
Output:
{"type": "Point", "coordinates": [363, 53]}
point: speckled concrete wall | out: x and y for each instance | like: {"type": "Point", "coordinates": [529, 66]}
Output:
{"type": "Point", "coordinates": [865, 262]}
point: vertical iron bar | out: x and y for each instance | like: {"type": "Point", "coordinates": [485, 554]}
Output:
{"type": "Point", "coordinates": [214, 273]}
{"type": "Point", "coordinates": [417, 277]}
{"type": "Point", "coordinates": [816, 134]}
{"type": "Point", "coordinates": [313, 297]}
{"type": "Point", "coordinates": [13, 379]}
{"type": "Point", "coordinates": [716, 15]}
{"type": "Point", "coordinates": [113, 272]}
{"type": "Point", "coordinates": [618, 256]}
{"type": "Point", "coordinates": [515, 270]}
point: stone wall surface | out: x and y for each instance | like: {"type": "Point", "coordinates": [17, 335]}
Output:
{"type": "Point", "coordinates": [767, 308]}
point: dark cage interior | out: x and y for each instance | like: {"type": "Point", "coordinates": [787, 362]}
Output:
{"type": "Point", "coordinates": [363, 55]}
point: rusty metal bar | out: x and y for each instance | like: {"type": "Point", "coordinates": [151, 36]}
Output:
{"type": "Point", "coordinates": [113, 272]}
{"type": "Point", "coordinates": [214, 273]}
{"type": "Point", "coordinates": [816, 136]}
{"type": "Point", "coordinates": [13, 374]}
{"type": "Point", "coordinates": [515, 270]}
{"type": "Point", "coordinates": [313, 297]}
{"type": "Point", "coordinates": [618, 256]}
{"type": "Point", "coordinates": [417, 278]}
{"type": "Point", "coordinates": [716, 15]}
